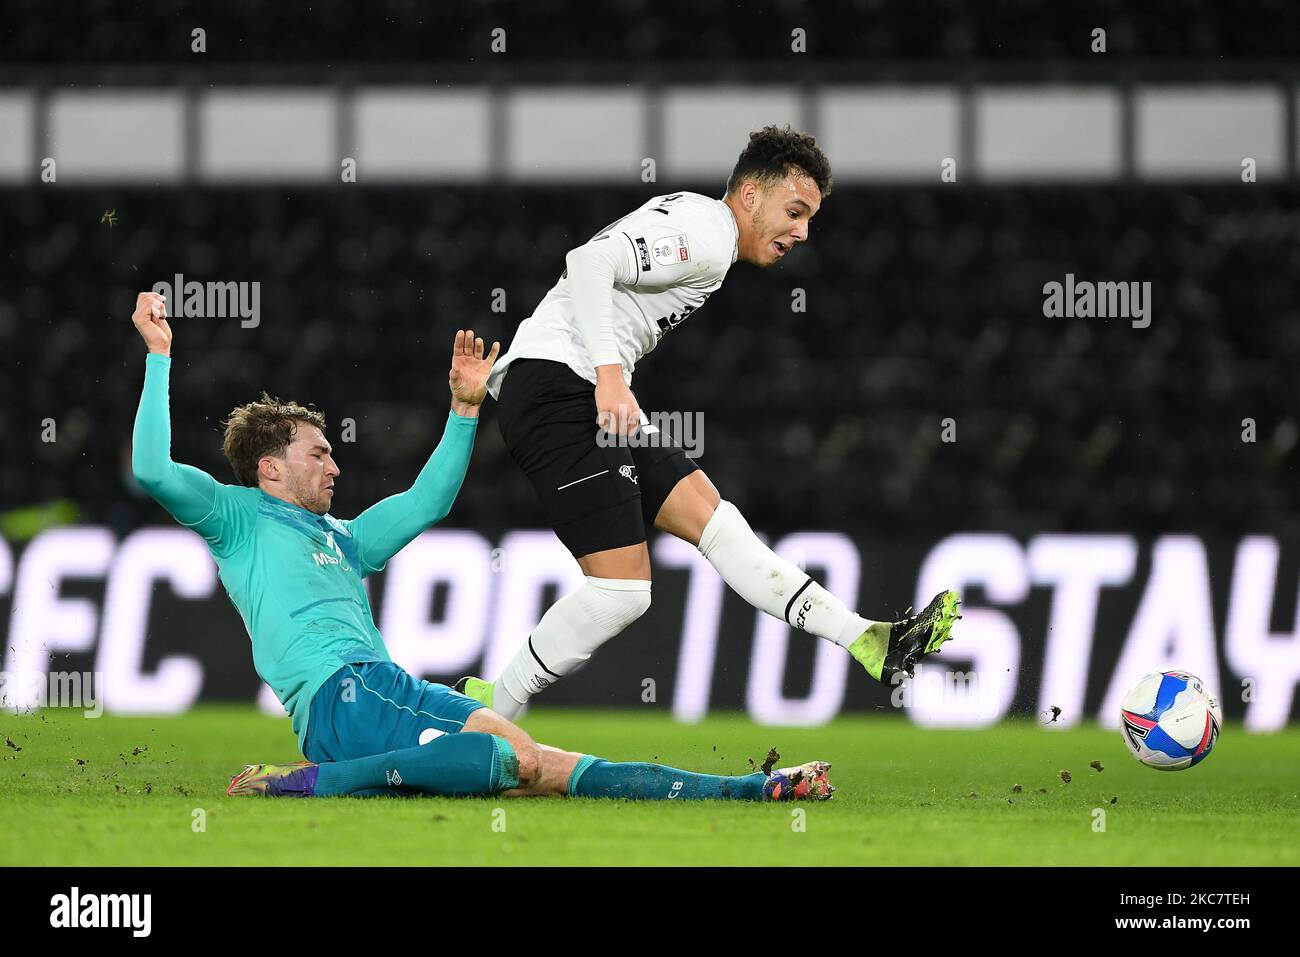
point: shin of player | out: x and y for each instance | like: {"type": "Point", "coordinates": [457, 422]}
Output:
{"type": "Point", "coordinates": [576, 625]}
{"type": "Point", "coordinates": [570, 631]}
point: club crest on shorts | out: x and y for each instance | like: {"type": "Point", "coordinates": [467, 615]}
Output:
{"type": "Point", "coordinates": [628, 472]}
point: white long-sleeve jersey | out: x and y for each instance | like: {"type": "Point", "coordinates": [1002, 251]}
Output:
{"type": "Point", "coordinates": [637, 279]}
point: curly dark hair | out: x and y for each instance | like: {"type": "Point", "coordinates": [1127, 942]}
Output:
{"type": "Point", "coordinates": [264, 427]}
{"type": "Point", "coordinates": [771, 153]}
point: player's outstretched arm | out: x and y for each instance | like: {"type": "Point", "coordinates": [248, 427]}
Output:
{"type": "Point", "coordinates": [385, 528]}
{"type": "Point", "coordinates": [189, 494]}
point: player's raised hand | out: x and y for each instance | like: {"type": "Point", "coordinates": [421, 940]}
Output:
{"type": "Point", "coordinates": [150, 318]}
{"type": "Point", "coordinates": [470, 368]}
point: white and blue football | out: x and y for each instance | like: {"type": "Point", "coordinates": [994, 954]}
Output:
{"type": "Point", "coordinates": [1170, 721]}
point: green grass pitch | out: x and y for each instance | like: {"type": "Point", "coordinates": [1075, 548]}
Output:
{"type": "Point", "coordinates": [126, 791]}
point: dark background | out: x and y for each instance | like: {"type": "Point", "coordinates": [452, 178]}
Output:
{"type": "Point", "coordinates": [647, 32]}
{"type": "Point", "coordinates": [923, 302]}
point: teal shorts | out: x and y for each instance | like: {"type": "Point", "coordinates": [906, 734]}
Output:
{"type": "Point", "coordinates": [376, 707]}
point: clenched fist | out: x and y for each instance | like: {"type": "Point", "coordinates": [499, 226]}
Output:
{"type": "Point", "coordinates": [150, 318]}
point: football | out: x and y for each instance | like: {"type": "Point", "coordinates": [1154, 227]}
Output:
{"type": "Point", "coordinates": [1170, 721]}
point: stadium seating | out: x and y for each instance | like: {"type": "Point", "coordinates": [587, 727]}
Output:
{"type": "Point", "coordinates": [922, 304]}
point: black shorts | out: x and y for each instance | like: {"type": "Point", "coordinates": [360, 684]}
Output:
{"type": "Point", "coordinates": [595, 496]}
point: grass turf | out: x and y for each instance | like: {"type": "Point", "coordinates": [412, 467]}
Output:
{"type": "Point", "coordinates": [907, 796]}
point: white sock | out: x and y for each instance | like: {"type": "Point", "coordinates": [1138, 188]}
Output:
{"type": "Point", "coordinates": [770, 583]}
{"type": "Point", "coordinates": [568, 633]}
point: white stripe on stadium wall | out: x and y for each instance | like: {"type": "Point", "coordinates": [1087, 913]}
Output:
{"type": "Point", "coordinates": [585, 134]}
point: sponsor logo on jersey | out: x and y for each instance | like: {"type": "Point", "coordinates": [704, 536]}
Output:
{"type": "Point", "coordinates": [325, 558]}
{"type": "Point", "coordinates": [671, 321]}
{"type": "Point", "coordinates": [643, 253]}
{"type": "Point", "coordinates": [672, 250]}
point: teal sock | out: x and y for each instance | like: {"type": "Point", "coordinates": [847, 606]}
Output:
{"type": "Point", "coordinates": [453, 765]}
{"type": "Point", "coordinates": [596, 777]}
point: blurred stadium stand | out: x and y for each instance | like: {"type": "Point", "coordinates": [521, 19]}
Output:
{"type": "Point", "coordinates": [923, 301]}
{"type": "Point", "coordinates": [651, 31]}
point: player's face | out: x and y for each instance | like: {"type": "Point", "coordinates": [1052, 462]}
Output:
{"type": "Point", "coordinates": [781, 218]}
{"type": "Point", "coordinates": [310, 469]}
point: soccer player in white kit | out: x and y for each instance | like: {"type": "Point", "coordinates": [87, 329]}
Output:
{"type": "Point", "coordinates": [567, 376]}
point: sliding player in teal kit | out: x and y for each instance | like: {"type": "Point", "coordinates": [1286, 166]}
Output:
{"type": "Point", "coordinates": [295, 574]}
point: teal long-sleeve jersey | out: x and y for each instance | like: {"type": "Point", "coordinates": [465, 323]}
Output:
{"type": "Point", "coordinates": [295, 576]}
